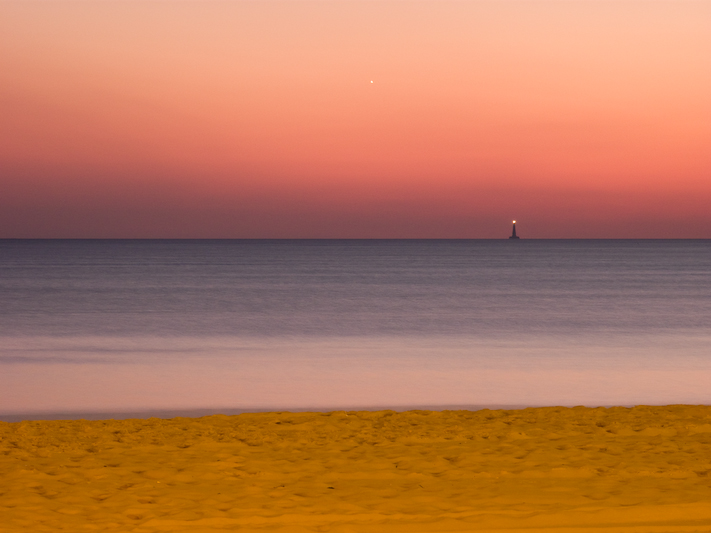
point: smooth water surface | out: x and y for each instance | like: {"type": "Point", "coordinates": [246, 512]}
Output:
{"type": "Point", "coordinates": [115, 325]}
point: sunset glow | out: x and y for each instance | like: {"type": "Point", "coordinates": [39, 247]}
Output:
{"type": "Point", "coordinates": [262, 119]}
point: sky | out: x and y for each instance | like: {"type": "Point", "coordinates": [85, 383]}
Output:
{"type": "Point", "coordinates": [355, 119]}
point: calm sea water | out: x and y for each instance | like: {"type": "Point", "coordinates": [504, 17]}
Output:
{"type": "Point", "coordinates": [134, 325]}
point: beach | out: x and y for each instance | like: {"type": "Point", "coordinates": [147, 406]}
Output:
{"type": "Point", "coordinates": [537, 469]}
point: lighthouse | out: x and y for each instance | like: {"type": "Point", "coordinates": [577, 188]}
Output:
{"type": "Point", "coordinates": [513, 235]}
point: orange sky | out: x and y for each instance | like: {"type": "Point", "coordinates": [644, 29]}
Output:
{"type": "Point", "coordinates": [258, 118]}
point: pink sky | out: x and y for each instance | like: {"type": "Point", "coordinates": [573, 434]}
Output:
{"type": "Point", "coordinates": [258, 119]}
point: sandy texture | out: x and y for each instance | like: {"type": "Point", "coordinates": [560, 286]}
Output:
{"type": "Point", "coordinates": [550, 469]}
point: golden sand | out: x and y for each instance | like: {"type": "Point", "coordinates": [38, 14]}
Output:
{"type": "Point", "coordinates": [644, 469]}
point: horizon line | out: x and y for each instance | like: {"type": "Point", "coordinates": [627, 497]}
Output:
{"type": "Point", "coordinates": [352, 238]}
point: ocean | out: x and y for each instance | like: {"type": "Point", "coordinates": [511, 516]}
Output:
{"type": "Point", "coordinates": [188, 326]}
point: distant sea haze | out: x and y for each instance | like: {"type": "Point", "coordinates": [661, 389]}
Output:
{"type": "Point", "coordinates": [148, 325]}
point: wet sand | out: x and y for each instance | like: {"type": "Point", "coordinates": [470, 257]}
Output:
{"type": "Point", "coordinates": [644, 469]}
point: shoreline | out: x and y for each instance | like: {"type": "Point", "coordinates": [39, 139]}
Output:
{"type": "Point", "coordinates": [645, 468]}
{"type": "Point", "coordinates": [167, 414]}
{"type": "Point", "coordinates": [201, 412]}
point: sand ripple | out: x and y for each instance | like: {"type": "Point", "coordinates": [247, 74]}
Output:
{"type": "Point", "coordinates": [644, 469]}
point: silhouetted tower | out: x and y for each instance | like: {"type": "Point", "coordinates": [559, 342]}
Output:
{"type": "Point", "coordinates": [513, 235]}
